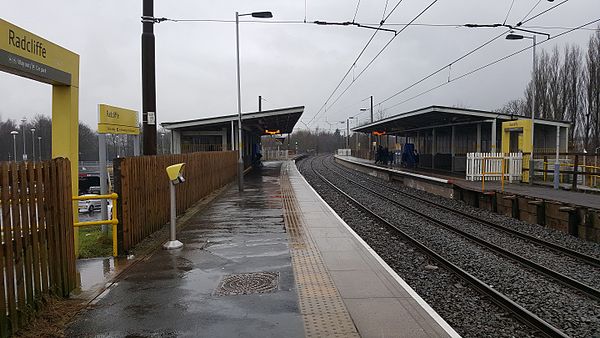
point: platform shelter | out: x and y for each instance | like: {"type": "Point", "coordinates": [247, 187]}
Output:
{"type": "Point", "coordinates": [444, 135]}
{"type": "Point", "coordinates": [217, 133]}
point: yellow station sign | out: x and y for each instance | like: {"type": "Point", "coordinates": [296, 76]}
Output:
{"type": "Point", "coordinates": [115, 120]}
{"type": "Point", "coordinates": [26, 54]}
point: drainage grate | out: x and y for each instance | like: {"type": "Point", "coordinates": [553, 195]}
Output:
{"type": "Point", "coordinates": [248, 283]}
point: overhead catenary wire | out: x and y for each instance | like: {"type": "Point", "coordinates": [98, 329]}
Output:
{"type": "Point", "coordinates": [391, 24]}
{"type": "Point", "coordinates": [531, 10]}
{"type": "Point", "coordinates": [353, 64]}
{"type": "Point", "coordinates": [468, 54]}
{"type": "Point", "coordinates": [493, 63]}
{"type": "Point", "coordinates": [542, 12]}
{"type": "Point", "coordinates": [381, 51]}
{"type": "Point", "coordinates": [509, 10]}
{"type": "Point", "coordinates": [356, 12]}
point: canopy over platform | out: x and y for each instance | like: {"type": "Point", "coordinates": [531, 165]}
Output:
{"type": "Point", "coordinates": [220, 133]}
{"type": "Point", "coordinates": [261, 123]}
{"type": "Point", "coordinates": [440, 116]}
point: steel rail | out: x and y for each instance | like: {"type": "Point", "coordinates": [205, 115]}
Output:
{"type": "Point", "coordinates": [561, 278]}
{"type": "Point", "coordinates": [498, 298]}
{"type": "Point", "coordinates": [555, 247]}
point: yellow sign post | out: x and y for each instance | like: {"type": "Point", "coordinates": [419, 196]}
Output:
{"type": "Point", "coordinates": [115, 120]}
{"type": "Point", "coordinates": [25, 54]}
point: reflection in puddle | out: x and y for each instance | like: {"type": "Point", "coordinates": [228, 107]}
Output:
{"type": "Point", "coordinates": [94, 273]}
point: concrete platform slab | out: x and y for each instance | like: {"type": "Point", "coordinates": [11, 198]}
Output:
{"type": "Point", "coordinates": [378, 301]}
{"type": "Point", "coordinates": [173, 293]}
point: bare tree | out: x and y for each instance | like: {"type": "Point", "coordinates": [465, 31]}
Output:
{"type": "Point", "coordinates": [591, 77]}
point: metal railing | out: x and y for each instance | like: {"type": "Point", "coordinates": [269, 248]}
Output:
{"type": "Point", "coordinates": [113, 221]}
{"type": "Point", "coordinates": [502, 171]}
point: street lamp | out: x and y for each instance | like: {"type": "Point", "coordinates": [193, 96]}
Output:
{"type": "Point", "coordinates": [264, 15]}
{"type": "Point", "coordinates": [40, 146]}
{"type": "Point", "coordinates": [33, 144]}
{"type": "Point", "coordinates": [14, 133]}
{"type": "Point", "coordinates": [513, 36]}
{"type": "Point", "coordinates": [23, 120]}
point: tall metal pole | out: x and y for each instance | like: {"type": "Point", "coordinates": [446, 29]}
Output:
{"type": "Point", "coordinates": [239, 102]}
{"type": "Point", "coordinates": [259, 103]}
{"type": "Point", "coordinates": [371, 134]}
{"type": "Point", "coordinates": [14, 134]}
{"type": "Point", "coordinates": [33, 144]}
{"type": "Point", "coordinates": [347, 133]}
{"type": "Point", "coordinates": [531, 161]}
{"type": "Point", "coordinates": [103, 179]}
{"type": "Point", "coordinates": [23, 133]}
{"type": "Point", "coordinates": [40, 146]}
{"type": "Point", "coordinates": [148, 79]}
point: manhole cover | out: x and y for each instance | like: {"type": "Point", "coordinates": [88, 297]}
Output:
{"type": "Point", "coordinates": [248, 283]}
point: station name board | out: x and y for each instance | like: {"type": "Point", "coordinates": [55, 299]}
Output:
{"type": "Point", "coordinates": [26, 54]}
{"type": "Point", "coordinates": [115, 120]}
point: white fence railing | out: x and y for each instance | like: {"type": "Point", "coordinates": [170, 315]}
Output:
{"type": "Point", "coordinates": [275, 155]}
{"type": "Point", "coordinates": [492, 164]}
{"type": "Point", "coordinates": [344, 152]}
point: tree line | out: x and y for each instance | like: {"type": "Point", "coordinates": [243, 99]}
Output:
{"type": "Point", "coordinates": [566, 84]}
{"type": "Point", "coordinates": [37, 134]}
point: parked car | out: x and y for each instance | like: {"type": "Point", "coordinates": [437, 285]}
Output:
{"type": "Point", "coordinates": [89, 205]}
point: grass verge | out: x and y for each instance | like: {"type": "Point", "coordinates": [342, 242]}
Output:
{"type": "Point", "coordinates": [93, 243]}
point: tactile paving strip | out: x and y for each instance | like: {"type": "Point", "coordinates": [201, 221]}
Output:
{"type": "Point", "coordinates": [321, 305]}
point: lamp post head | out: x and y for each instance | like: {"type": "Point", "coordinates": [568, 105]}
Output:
{"type": "Point", "coordinates": [262, 15]}
{"type": "Point", "coordinates": [14, 132]}
{"type": "Point", "coordinates": [33, 130]}
{"type": "Point", "coordinates": [514, 37]}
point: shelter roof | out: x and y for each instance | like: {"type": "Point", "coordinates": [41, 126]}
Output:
{"type": "Point", "coordinates": [440, 116]}
{"type": "Point", "coordinates": [283, 119]}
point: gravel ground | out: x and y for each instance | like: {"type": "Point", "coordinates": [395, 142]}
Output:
{"type": "Point", "coordinates": [566, 265]}
{"type": "Point", "coordinates": [573, 313]}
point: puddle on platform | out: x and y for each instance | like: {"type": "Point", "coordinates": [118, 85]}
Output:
{"type": "Point", "coordinates": [94, 273]}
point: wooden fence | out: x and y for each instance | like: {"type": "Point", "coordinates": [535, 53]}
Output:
{"type": "Point", "coordinates": [493, 166]}
{"type": "Point", "coordinates": [37, 254]}
{"type": "Point", "coordinates": [143, 188]}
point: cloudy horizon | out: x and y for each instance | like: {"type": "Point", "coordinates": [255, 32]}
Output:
{"type": "Point", "coordinates": [288, 62]}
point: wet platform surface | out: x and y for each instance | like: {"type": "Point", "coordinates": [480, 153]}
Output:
{"type": "Point", "coordinates": [177, 293]}
{"type": "Point", "coordinates": [274, 261]}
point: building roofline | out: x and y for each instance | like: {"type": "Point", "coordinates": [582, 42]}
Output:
{"type": "Point", "coordinates": [453, 110]}
{"type": "Point", "coordinates": [231, 117]}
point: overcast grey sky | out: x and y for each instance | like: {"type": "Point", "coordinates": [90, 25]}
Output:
{"type": "Point", "coordinates": [288, 64]}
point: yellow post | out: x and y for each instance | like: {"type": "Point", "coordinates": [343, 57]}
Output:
{"type": "Point", "coordinates": [483, 175]}
{"type": "Point", "coordinates": [36, 58]}
{"type": "Point", "coordinates": [502, 175]}
{"type": "Point", "coordinates": [114, 225]}
{"type": "Point", "coordinates": [113, 221]}
{"type": "Point", "coordinates": [65, 138]}
{"type": "Point", "coordinates": [524, 128]}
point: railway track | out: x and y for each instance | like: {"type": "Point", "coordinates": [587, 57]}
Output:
{"type": "Point", "coordinates": [496, 296]}
{"type": "Point", "coordinates": [559, 277]}
{"type": "Point", "coordinates": [588, 259]}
